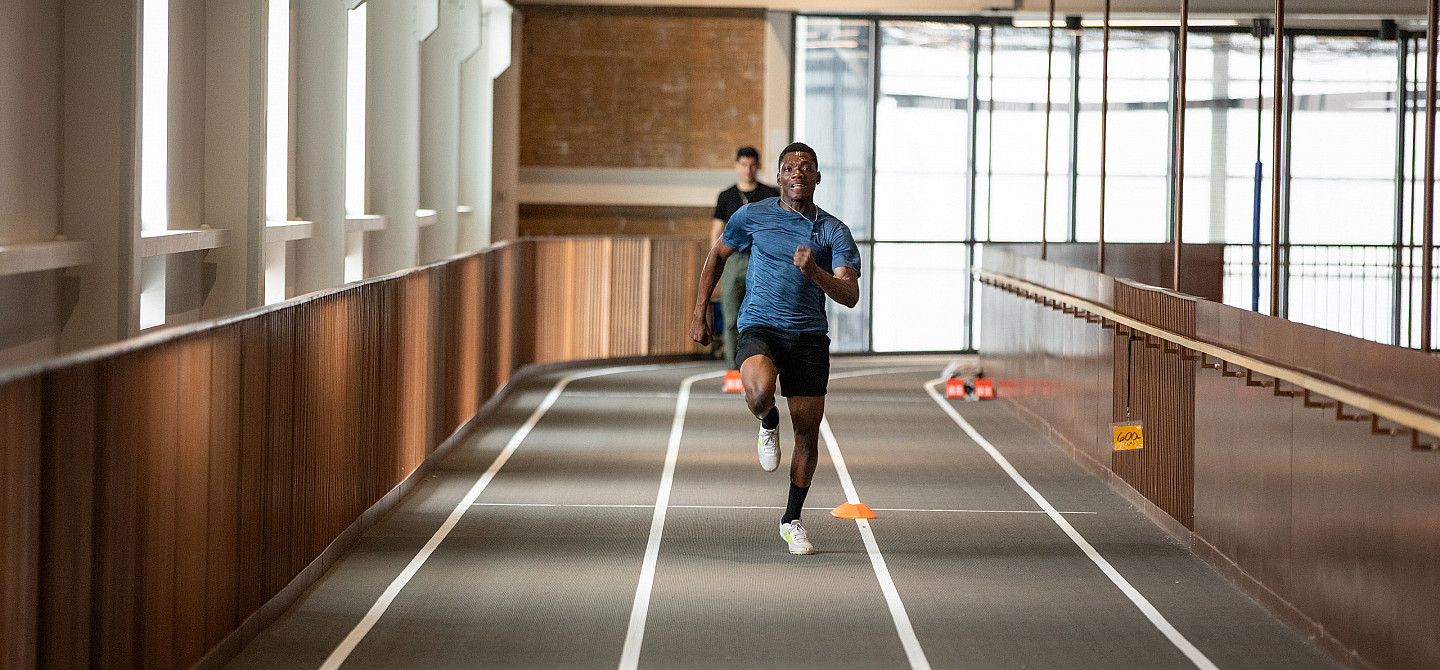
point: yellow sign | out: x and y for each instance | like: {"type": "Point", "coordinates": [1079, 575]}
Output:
{"type": "Point", "coordinates": [1128, 435]}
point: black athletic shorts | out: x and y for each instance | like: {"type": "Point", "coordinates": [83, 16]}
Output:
{"type": "Point", "coordinates": [802, 359]}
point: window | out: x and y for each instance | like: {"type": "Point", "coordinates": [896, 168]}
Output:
{"type": "Point", "coordinates": [355, 175]}
{"type": "Point", "coordinates": [834, 108]}
{"type": "Point", "coordinates": [277, 144]}
{"type": "Point", "coordinates": [1137, 164]}
{"type": "Point", "coordinates": [154, 152]}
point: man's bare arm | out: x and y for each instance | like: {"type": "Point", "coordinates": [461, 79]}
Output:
{"type": "Point", "coordinates": [842, 287]}
{"type": "Point", "coordinates": [709, 277]}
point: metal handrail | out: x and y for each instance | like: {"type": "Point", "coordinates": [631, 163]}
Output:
{"type": "Point", "coordinates": [1405, 416]}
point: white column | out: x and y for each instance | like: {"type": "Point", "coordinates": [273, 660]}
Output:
{"type": "Point", "coordinates": [505, 211]}
{"type": "Point", "coordinates": [477, 102]}
{"type": "Point", "coordinates": [393, 134]}
{"type": "Point", "coordinates": [29, 172]}
{"type": "Point", "coordinates": [320, 36]}
{"type": "Point", "coordinates": [235, 151]}
{"type": "Point", "coordinates": [99, 190]}
{"type": "Point", "coordinates": [439, 133]}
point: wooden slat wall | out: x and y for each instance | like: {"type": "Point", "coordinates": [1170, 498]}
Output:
{"type": "Point", "coordinates": [1161, 387]}
{"type": "Point", "coordinates": [154, 497]}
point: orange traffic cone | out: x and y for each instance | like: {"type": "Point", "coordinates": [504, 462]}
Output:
{"type": "Point", "coordinates": [732, 382]}
{"type": "Point", "coordinates": [853, 511]}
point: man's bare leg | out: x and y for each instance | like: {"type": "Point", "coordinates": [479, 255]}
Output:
{"type": "Point", "coordinates": [757, 375]}
{"type": "Point", "coordinates": [805, 415]}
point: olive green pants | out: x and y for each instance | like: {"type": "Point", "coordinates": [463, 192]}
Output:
{"type": "Point", "coordinates": [732, 293]}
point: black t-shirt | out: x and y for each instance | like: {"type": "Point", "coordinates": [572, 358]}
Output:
{"type": "Point", "coordinates": [732, 199]}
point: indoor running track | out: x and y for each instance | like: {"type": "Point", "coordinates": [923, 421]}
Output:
{"type": "Point", "coordinates": [616, 517]}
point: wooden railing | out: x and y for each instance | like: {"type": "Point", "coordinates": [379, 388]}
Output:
{"type": "Point", "coordinates": [156, 493]}
{"type": "Point", "coordinates": [1299, 462]}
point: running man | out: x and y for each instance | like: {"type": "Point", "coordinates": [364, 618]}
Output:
{"type": "Point", "coordinates": [732, 282]}
{"type": "Point", "coordinates": [798, 255]}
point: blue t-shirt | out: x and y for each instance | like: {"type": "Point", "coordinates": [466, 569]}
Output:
{"type": "Point", "coordinates": [777, 294]}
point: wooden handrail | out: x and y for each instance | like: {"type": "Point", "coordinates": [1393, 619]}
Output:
{"type": "Point", "coordinates": [1405, 416]}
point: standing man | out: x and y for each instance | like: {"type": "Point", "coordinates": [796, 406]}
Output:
{"type": "Point", "coordinates": [799, 255]}
{"type": "Point", "coordinates": [732, 282]}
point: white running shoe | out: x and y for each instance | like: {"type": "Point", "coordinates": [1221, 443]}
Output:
{"type": "Point", "coordinates": [794, 534]}
{"type": "Point", "coordinates": [768, 444]}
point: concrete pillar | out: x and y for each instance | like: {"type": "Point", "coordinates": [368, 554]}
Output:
{"type": "Point", "coordinates": [29, 171]}
{"type": "Point", "coordinates": [393, 134]}
{"type": "Point", "coordinates": [439, 133]}
{"type": "Point", "coordinates": [504, 208]}
{"type": "Point", "coordinates": [99, 185]}
{"type": "Point", "coordinates": [320, 28]}
{"type": "Point", "coordinates": [235, 153]}
{"type": "Point", "coordinates": [477, 103]}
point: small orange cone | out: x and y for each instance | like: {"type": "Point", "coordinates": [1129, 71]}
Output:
{"type": "Point", "coordinates": [853, 511]}
{"type": "Point", "coordinates": [984, 389]}
{"type": "Point", "coordinates": [954, 387]}
{"type": "Point", "coordinates": [732, 382]}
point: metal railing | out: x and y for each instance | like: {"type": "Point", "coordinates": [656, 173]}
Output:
{"type": "Point", "coordinates": [1366, 291]}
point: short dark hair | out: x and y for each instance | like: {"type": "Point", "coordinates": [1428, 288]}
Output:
{"type": "Point", "coordinates": [747, 152]}
{"type": "Point", "coordinates": [798, 147]}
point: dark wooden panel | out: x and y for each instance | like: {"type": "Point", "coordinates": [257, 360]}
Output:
{"type": "Point", "coordinates": [118, 509]}
{"type": "Point", "coordinates": [158, 447]}
{"type": "Point", "coordinates": [69, 506]}
{"type": "Point", "coordinates": [192, 475]}
{"type": "Point", "coordinates": [20, 450]}
{"type": "Point", "coordinates": [222, 580]}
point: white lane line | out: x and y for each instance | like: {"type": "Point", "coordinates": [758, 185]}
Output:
{"type": "Point", "coordinates": [730, 507]}
{"type": "Point", "coordinates": [879, 371]}
{"type": "Point", "coordinates": [346, 646]}
{"type": "Point", "coordinates": [635, 636]}
{"type": "Point", "coordinates": [882, 573]}
{"type": "Point", "coordinates": [1157, 619]}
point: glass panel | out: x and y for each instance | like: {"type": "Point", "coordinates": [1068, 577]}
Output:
{"type": "Point", "coordinates": [1221, 128]}
{"type": "Point", "coordinates": [920, 294]}
{"type": "Point", "coordinates": [1012, 138]}
{"type": "Point", "coordinates": [850, 327]}
{"type": "Point", "coordinates": [834, 103]}
{"type": "Point", "coordinates": [922, 124]}
{"type": "Point", "coordinates": [1342, 162]}
{"type": "Point", "coordinates": [1137, 181]}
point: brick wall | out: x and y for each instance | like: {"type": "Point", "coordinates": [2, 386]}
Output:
{"type": "Point", "coordinates": [655, 88]}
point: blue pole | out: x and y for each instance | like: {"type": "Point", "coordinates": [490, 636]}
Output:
{"type": "Point", "coordinates": [1255, 241]}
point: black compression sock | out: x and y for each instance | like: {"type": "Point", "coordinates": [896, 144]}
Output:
{"type": "Point", "coordinates": [797, 503]}
{"type": "Point", "coordinates": [771, 420]}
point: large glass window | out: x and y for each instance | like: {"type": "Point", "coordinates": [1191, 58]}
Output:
{"type": "Point", "coordinates": [922, 125]}
{"type": "Point", "coordinates": [903, 91]}
{"type": "Point", "coordinates": [834, 106]}
{"type": "Point", "coordinates": [1221, 129]}
{"type": "Point", "coordinates": [1342, 161]}
{"type": "Point", "coordinates": [1011, 170]}
{"type": "Point", "coordinates": [1137, 179]}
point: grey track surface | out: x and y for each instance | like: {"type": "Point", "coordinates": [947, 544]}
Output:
{"type": "Point", "coordinates": [528, 579]}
